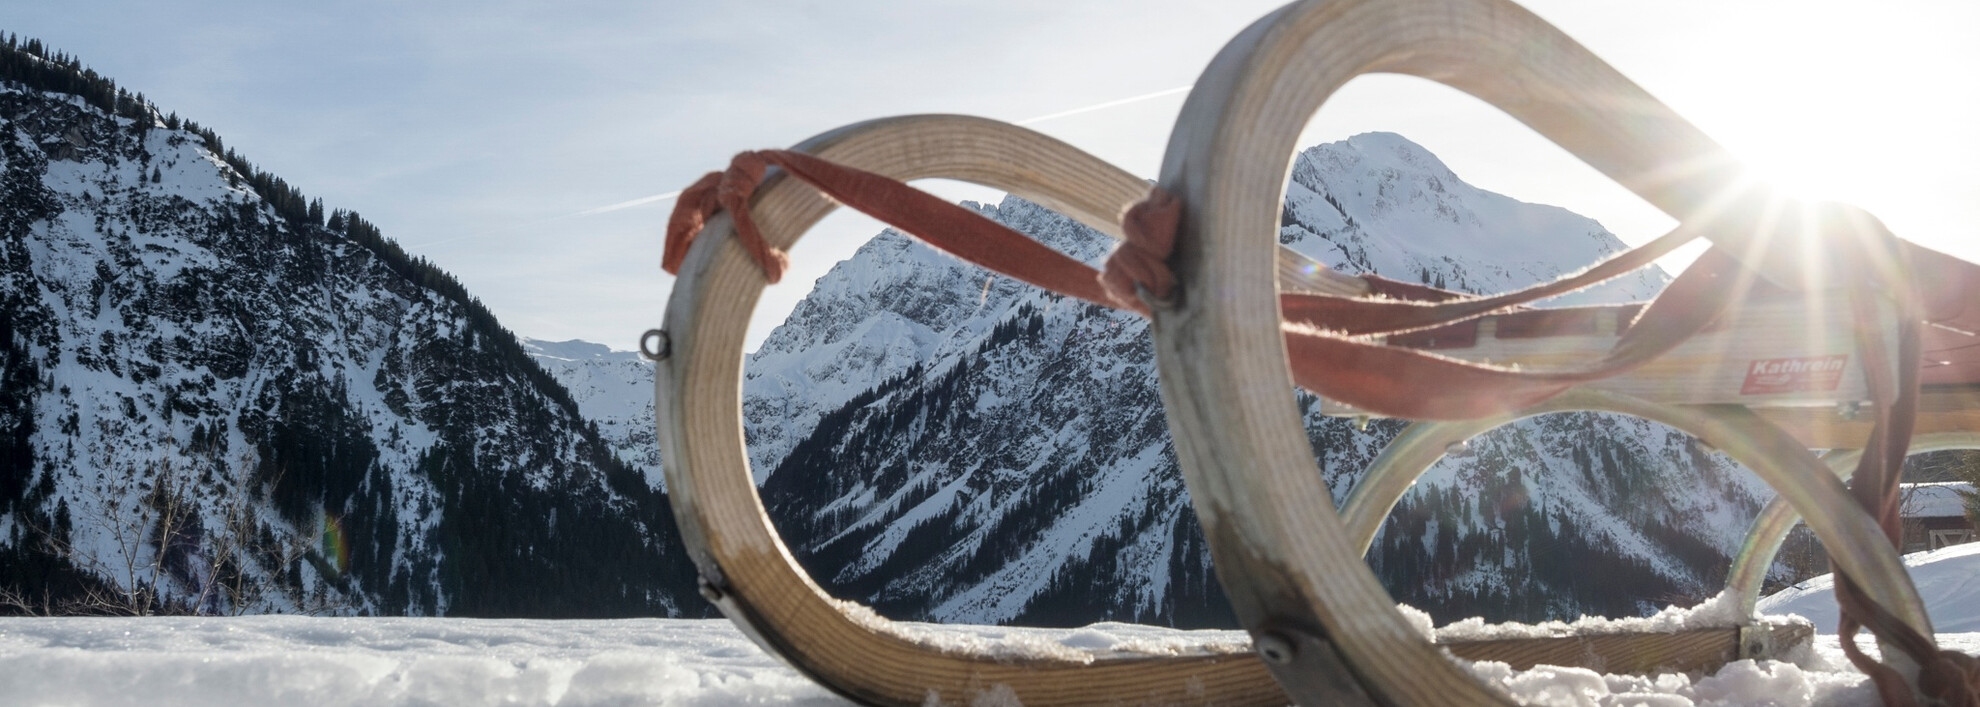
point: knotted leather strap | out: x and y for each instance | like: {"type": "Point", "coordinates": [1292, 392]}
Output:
{"type": "Point", "coordinates": [1320, 336]}
{"type": "Point", "coordinates": [956, 230]}
{"type": "Point", "coordinates": [729, 191]}
{"type": "Point", "coordinates": [1330, 355]}
{"type": "Point", "coordinates": [1944, 677]}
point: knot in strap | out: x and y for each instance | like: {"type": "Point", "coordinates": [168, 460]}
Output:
{"type": "Point", "coordinates": [1951, 678]}
{"type": "Point", "coordinates": [730, 191]}
{"type": "Point", "coordinates": [1141, 262]}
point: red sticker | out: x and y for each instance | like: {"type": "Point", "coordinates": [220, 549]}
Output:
{"type": "Point", "coordinates": [1769, 376]}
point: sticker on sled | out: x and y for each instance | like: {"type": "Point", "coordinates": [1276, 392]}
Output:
{"type": "Point", "coordinates": [1769, 376]}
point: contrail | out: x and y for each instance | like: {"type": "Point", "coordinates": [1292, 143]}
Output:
{"type": "Point", "coordinates": [644, 200]}
{"type": "Point", "coordinates": [1108, 104]}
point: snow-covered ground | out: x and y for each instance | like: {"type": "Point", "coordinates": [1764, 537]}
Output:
{"type": "Point", "coordinates": [292, 660]}
{"type": "Point", "coordinates": [1948, 579]}
{"type": "Point", "coordinates": [403, 661]}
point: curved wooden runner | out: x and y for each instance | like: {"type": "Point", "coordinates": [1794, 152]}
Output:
{"type": "Point", "coordinates": [1293, 573]}
{"type": "Point", "coordinates": [1746, 437]}
{"type": "Point", "coordinates": [747, 569]}
{"type": "Point", "coordinates": [1770, 528]}
{"type": "Point", "coordinates": [1318, 618]}
{"type": "Point", "coordinates": [837, 643]}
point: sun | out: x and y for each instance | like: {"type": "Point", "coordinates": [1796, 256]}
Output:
{"type": "Point", "coordinates": [1866, 104]}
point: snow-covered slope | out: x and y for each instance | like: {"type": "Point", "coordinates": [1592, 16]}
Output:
{"type": "Point", "coordinates": [1380, 203]}
{"type": "Point", "coordinates": [1948, 579]}
{"type": "Point", "coordinates": [220, 397]}
{"type": "Point", "coordinates": [955, 446]}
{"type": "Point", "coordinates": [613, 389]}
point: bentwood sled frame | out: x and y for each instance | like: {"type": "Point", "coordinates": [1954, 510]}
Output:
{"type": "Point", "coordinates": [1326, 630]}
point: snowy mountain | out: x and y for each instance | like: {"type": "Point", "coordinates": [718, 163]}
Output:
{"type": "Point", "coordinates": [1378, 203]}
{"type": "Point", "coordinates": [954, 446]}
{"type": "Point", "coordinates": [216, 396]}
{"type": "Point", "coordinates": [219, 396]}
{"type": "Point", "coordinates": [614, 390]}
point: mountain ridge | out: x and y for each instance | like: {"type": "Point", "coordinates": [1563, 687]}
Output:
{"type": "Point", "coordinates": [987, 453]}
{"type": "Point", "coordinates": [224, 397]}
{"type": "Point", "coordinates": [949, 445]}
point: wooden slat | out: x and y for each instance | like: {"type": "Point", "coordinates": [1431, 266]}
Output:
{"type": "Point", "coordinates": [1713, 367]}
{"type": "Point", "coordinates": [1298, 273]}
{"type": "Point", "coordinates": [1949, 409]}
{"type": "Point", "coordinates": [1704, 650]}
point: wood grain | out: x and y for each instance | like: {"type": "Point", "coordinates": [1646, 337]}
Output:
{"type": "Point", "coordinates": [749, 569]}
{"type": "Point", "coordinates": [1697, 650]}
{"type": "Point", "coordinates": [1285, 558]}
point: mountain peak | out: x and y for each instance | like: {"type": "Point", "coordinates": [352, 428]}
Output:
{"type": "Point", "coordinates": [575, 350]}
{"type": "Point", "coordinates": [1377, 150]}
{"type": "Point", "coordinates": [1378, 202]}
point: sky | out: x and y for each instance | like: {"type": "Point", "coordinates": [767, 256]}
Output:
{"type": "Point", "coordinates": [493, 137]}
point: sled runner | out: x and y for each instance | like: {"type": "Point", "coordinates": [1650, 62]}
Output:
{"type": "Point", "coordinates": [1728, 353]}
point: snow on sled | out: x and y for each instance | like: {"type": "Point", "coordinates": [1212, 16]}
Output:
{"type": "Point", "coordinates": [1808, 326]}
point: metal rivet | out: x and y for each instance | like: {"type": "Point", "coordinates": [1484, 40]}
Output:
{"type": "Point", "coordinates": [655, 345]}
{"type": "Point", "coordinates": [1275, 649]}
{"type": "Point", "coordinates": [1361, 423]}
{"type": "Point", "coordinates": [1457, 449]}
{"type": "Point", "coordinates": [708, 590]}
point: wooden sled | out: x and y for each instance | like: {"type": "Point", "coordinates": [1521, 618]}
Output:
{"type": "Point", "coordinates": [1291, 566]}
{"type": "Point", "coordinates": [1323, 627]}
{"type": "Point", "coordinates": [750, 575]}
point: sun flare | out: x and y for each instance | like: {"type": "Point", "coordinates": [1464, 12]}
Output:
{"type": "Point", "coordinates": [1841, 102]}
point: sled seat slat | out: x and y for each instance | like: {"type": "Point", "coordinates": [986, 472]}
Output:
{"type": "Point", "coordinates": [1704, 650]}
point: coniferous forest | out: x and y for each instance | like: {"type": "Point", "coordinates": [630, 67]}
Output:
{"type": "Point", "coordinates": [218, 395]}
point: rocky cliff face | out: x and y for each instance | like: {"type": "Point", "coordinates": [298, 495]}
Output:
{"type": "Point", "coordinates": [217, 397]}
{"type": "Point", "coordinates": [955, 446]}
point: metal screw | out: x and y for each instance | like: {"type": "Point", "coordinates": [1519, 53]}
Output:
{"type": "Point", "coordinates": [1275, 649]}
{"type": "Point", "coordinates": [655, 345]}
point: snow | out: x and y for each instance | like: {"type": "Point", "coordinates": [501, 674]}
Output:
{"type": "Point", "coordinates": [340, 661]}
{"type": "Point", "coordinates": [1718, 611]}
{"type": "Point", "coordinates": [419, 661]}
{"type": "Point", "coordinates": [1948, 579]}
{"type": "Point", "coordinates": [404, 661]}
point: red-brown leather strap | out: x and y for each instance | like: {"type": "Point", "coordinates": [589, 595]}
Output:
{"type": "Point", "coordinates": [1409, 307]}
{"type": "Point", "coordinates": [729, 191]}
{"type": "Point", "coordinates": [1383, 380]}
{"type": "Point", "coordinates": [1142, 259]}
{"type": "Point", "coordinates": [1327, 357]}
{"type": "Point", "coordinates": [1398, 382]}
{"type": "Point", "coordinates": [951, 228]}
{"type": "Point", "coordinates": [1944, 677]}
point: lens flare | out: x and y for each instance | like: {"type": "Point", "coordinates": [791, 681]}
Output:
{"type": "Point", "coordinates": [335, 547]}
